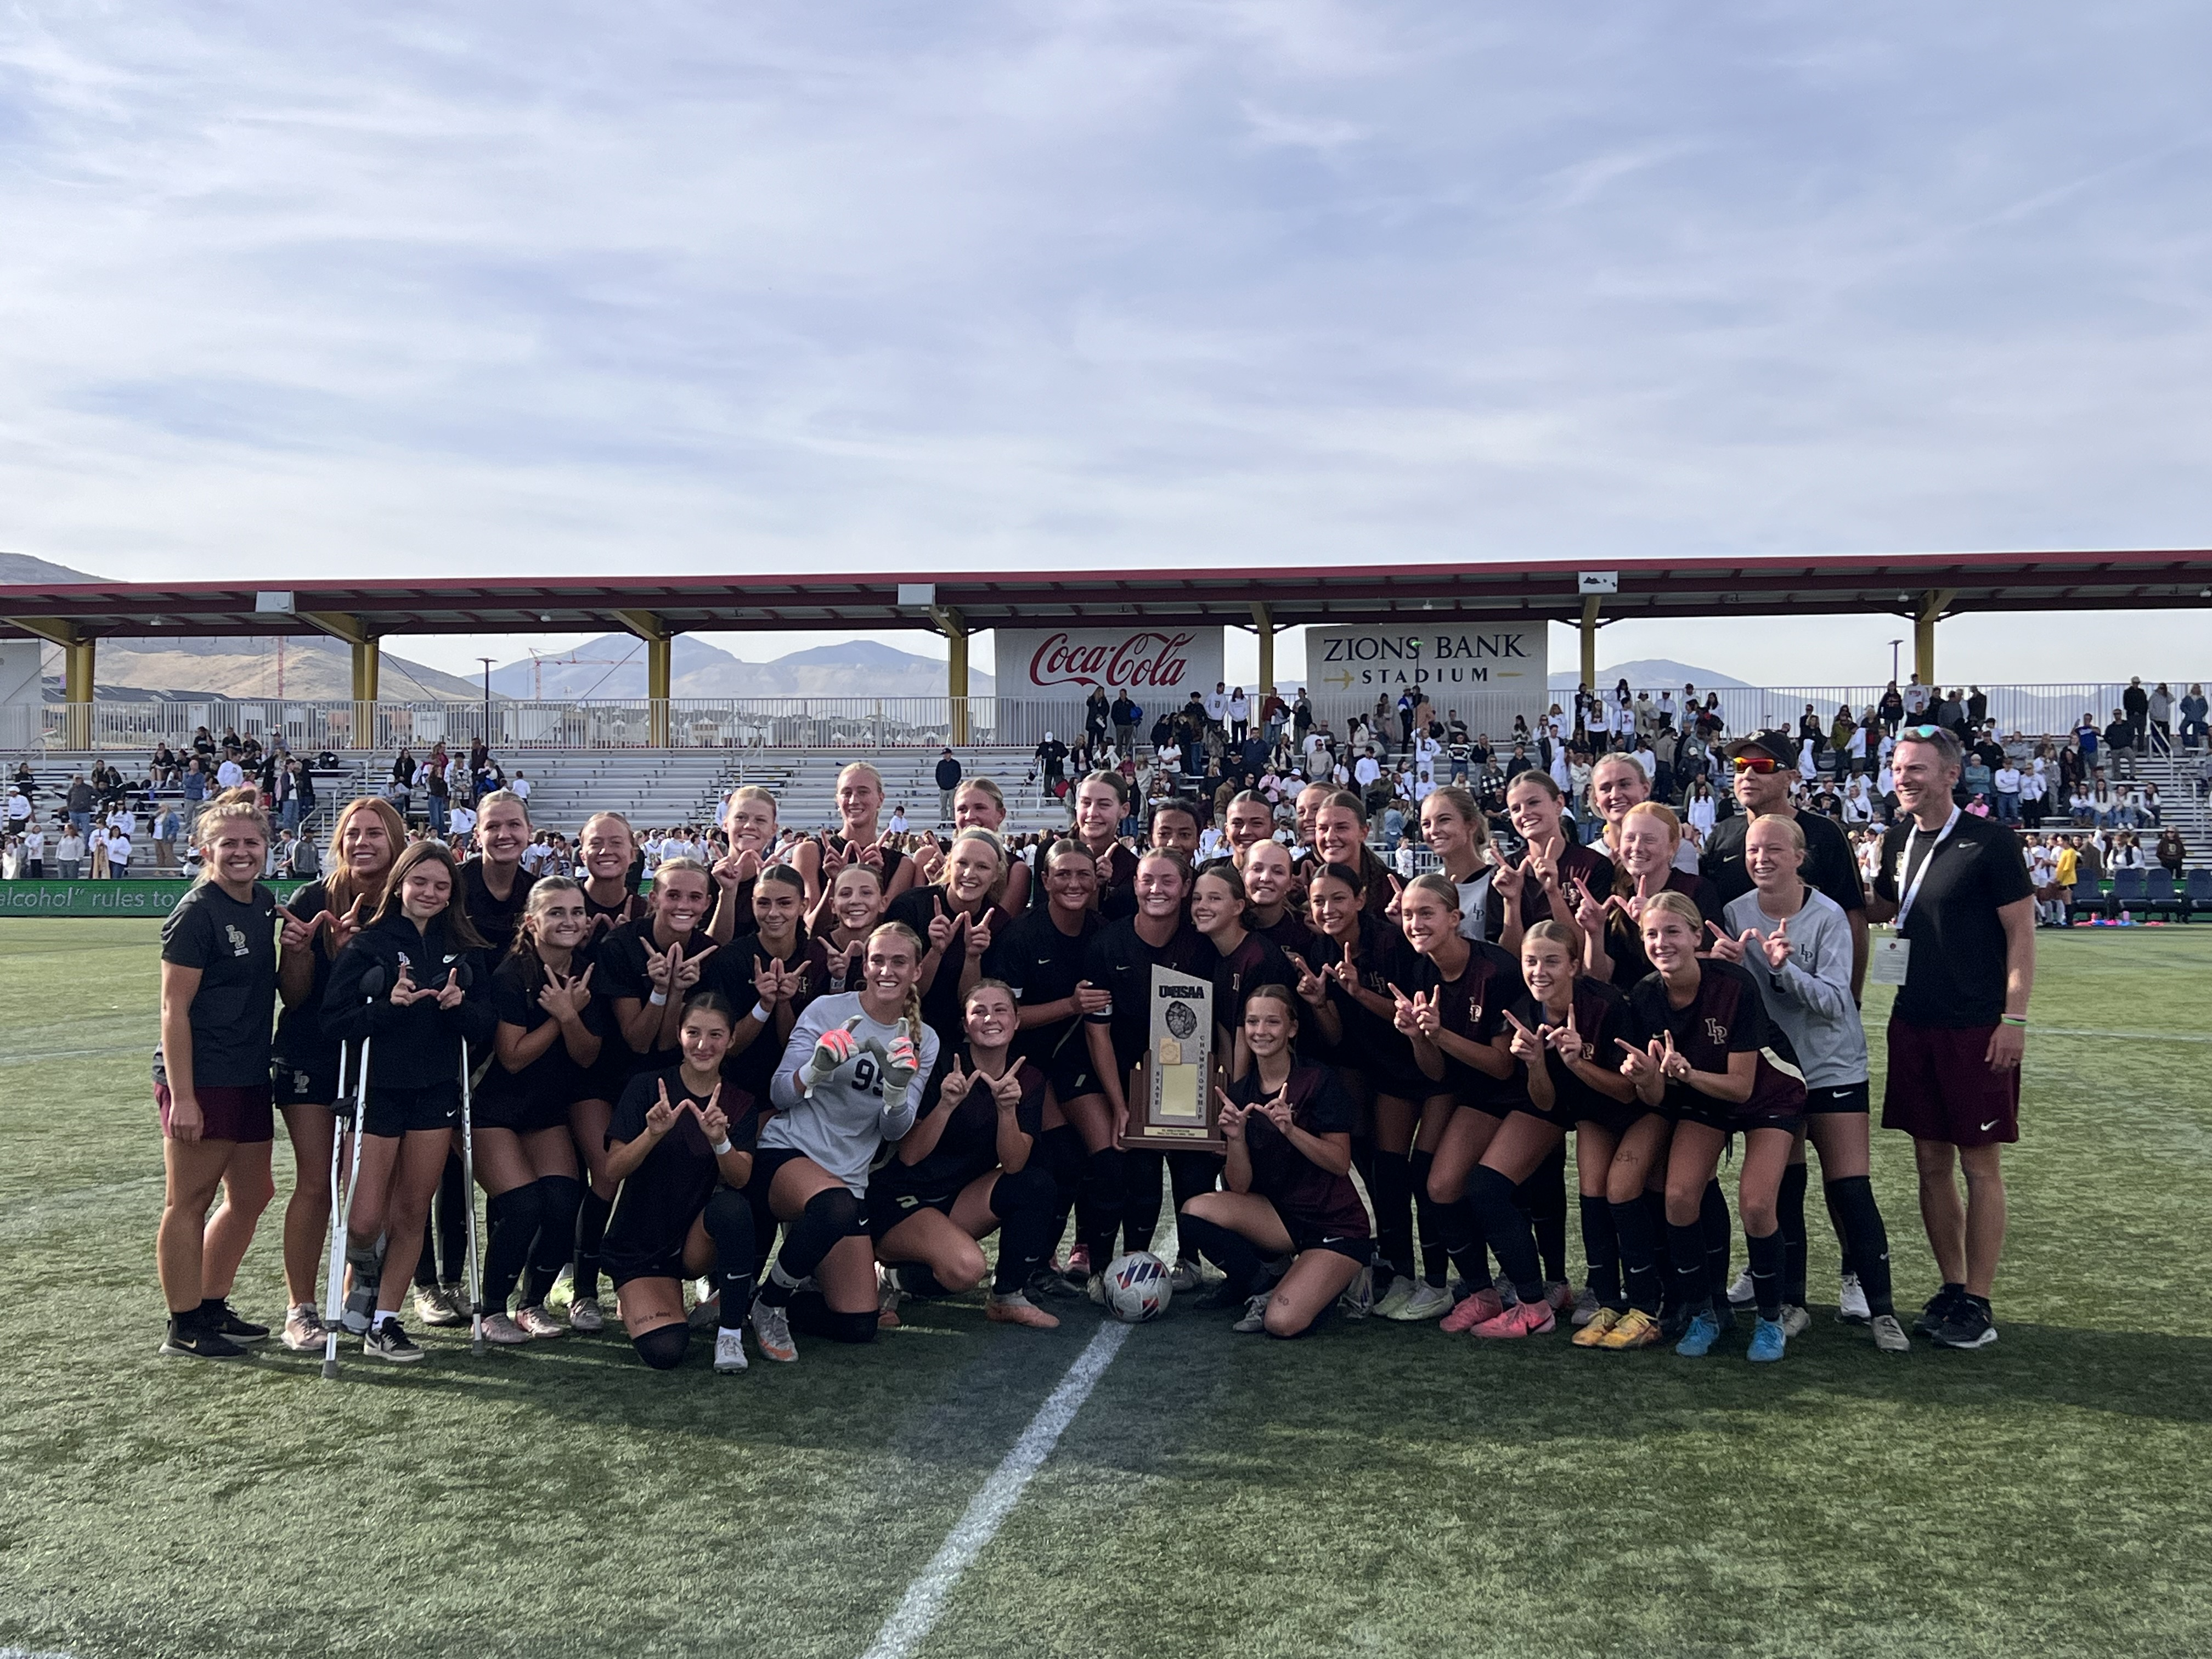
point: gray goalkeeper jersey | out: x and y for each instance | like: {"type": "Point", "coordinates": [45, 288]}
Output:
{"type": "Point", "coordinates": [843, 1123]}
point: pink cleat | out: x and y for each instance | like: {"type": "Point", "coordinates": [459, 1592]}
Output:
{"type": "Point", "coordinates": [1522, 1319]}
{"type": "Point", "coordinates": [1484, 1305]}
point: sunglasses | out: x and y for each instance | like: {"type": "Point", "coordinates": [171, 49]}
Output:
{"type": "Point", "coordinates": [1922, 731]}
{"type": "Point", "coordinates": [1761, 763]}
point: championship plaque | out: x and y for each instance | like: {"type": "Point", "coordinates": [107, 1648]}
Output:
{"type": "Point", "coordinates": [1172, 1108]}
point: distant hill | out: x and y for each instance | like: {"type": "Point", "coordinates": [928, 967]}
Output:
{"type": "Point", "coordinates": [22, 568]}
{"type": "Point", "coordinates": [1651, 673]}
{"type": "Point", "coordinates": [613, 666]}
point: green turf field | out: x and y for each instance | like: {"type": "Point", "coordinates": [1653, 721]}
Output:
{"type": "Point", "coordinates": [1379, 1490]}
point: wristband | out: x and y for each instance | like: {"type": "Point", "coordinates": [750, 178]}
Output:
{"type": "Point", "coordinates": [658, 999]}
{"type": "Point", "coordinates": [761, 1011]}
{"type": "Point", "coordinates": [2019, 1020]}
{"type": "Point", "coordinates": [721, 1145]}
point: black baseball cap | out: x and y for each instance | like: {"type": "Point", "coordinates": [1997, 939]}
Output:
{"type": "Point", "coordinates": [1778, 746]}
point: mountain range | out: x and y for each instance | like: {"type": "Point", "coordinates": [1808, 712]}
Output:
{"type": "Point", "coordinates": [613, 666]}
{"type": "Point", "coordinates": [1649, 673]}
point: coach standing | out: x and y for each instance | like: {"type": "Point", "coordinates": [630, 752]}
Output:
{"type": "Point", "coordinates": [1963, 963]}
{"type": "Point", "coordinates": [948, 784]}
{"type": "Point", "coordinates": [1764, 766]}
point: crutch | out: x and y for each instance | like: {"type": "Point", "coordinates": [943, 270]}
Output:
{"type": "Point", "coordinates": [345, 1106]}
{"type": "Point", "coordinates": [469, 1186]}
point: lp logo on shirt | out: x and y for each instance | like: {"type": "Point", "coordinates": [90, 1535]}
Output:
{"type": "Point", "coordinates": [237, 939]}
{"type": "Point", "coordinates": [1716, 1032]}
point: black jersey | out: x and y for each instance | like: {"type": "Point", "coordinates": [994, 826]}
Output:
{"type": "Point", "coordinates": [662, 1196]}
{"type": "Point", "coordinates": [835, 840]}
{"type": "Point", "coordinates": [1309, 1198]}
{"type": "Point", "coordinates": [1473, 1007]}
{"type": "Point", "coordinates": [732, 972]}
{"type": "Point", "coordinates": [1830, 863]}
{"type": "Point", "coordinates": [1293, 933]}
{"type": "Point", "coordinates": [554, 1077]}
{"type": "Point", "coordinates": [1372, 1043]}
{"type": "Point", "coordinates": [422, 1045]}
{"type": "Point", "coordinates": [496, 919]}
{"type": "Point", "coordinates": [1624, 938]}
{"type": "Point", "coordinates": [918, 907]}
{"type": "Point", "coordinates": [1121, 964]}
{"type": "Point", "coordinates": [1255, 962]}
{"type": "Point", "coordinates": [620, 971]}
{"type": "Point", "coordinates": [234, 945]}
{"type": "Point", "coordinates": [1727, 1016]}
{"type": "Point", "coordinates": [969, 1144]}
{"type": "Point", "coordinates": [302, 1043]}
{"type": "Point", "coordinates": [1577, 863]}
{"type": "Point", "coordinates": [1043, 965]}
{"type": "Point", "coordinates": [1602, 1020]}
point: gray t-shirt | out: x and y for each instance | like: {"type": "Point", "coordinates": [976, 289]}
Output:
{"type": "Point", "coordinates": [1810, 999]}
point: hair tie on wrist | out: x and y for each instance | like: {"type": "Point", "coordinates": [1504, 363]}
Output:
{"type": "Point", "coordinates": [658, 999]}
{"type": "Point", "coordinates": [761, 1011]}
{"type": "Point", "coordinates": [722, 1146]}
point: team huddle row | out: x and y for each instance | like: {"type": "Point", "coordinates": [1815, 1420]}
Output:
{"type": "Point", "coordinates": [817, 1083]}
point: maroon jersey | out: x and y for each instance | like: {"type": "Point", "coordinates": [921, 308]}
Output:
{"type": "Point", "coordinates": [1256, 961]}
{"type": "Point", "coordinates": [1310, 1200]}
{"type": "Point", "coordinates": [1624, 938]}
{"type": "Point", "coordinates": [1726, 1017]}
{"type": "Point", "coordinates": [1602, 1018]}
{"type": "Point", "coordinates": [1472, 1006]}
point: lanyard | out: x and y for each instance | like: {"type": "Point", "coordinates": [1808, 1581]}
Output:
{"type": "Point", "coordinates": [1912, 890]}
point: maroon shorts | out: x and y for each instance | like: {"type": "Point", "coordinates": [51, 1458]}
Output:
{"type": "Point", "coordinates": [1941, 1088]}
{"type": "Point", "coordinates": [246, 1113]}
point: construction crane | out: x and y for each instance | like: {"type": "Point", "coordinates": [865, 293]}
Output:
{"type": "Point", "coordinates": [538, 660]}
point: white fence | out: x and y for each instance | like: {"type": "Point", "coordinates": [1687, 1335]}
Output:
{"type": "Point", "coordinates": [855, 724]}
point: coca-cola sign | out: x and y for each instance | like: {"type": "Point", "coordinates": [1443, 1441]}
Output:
{"type": "Point", "coordinates": [1158, 661]}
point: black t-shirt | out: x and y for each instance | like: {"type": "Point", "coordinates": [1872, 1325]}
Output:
{"type": "Point", "coordinates": [1308, 1197]}
{"type": "Point", "coordinates": [554, 1076]}
{"type": "Point", "coordinates": [1043, 965]}
{"type": "Point", "coordinates": [1955, 975]}
{"type": "Point", "coordinates": [1293, 933]}
{"type": "Point", "coordinates": [299, 1037]}
{"type": "Point", "coordinates": [1258, 961]}
{"type": "Point", "coordinates": [627, 909]}
{"type": "Point", "coordinates": [659, 1198]}
{"type": "Point", "coordinates": [731, 973]}
{"type": "Point", "coordinates": [1830, 865]}
{"type": "Point", "coordinates": [917, 907]}
{"type": "Point", "coordinates": [234, 945]}
{"type": "Point", "coordinates": [620, 971]}
{"type": "Point", "coordinates": [969, 1145]}
{"type": "Point", "coordinates": [1726, 1017]}
{"type": "Point", "coordinates": [1601, 1019]}
{"type": "Point", "coordinates": [1578, 862]}
{"type": "Point", "coordinates": [496, 919]}
{"type": "Point", "coordinates": [1372, 1043]}
{"type": "Point", "coordinates": [1624, 938]}
{"type": "Point", "coordinates": [1472, 1006]}
{"type": "Point", "coordinates": [1120, 964]}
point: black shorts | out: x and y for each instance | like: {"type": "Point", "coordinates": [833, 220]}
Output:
{"type": "Point", "coordinates": [524, 1113]}
{"type": "Point", "coordinates": [889, 1203]}
{"type": "Point", "coordinates": [639, 1249]}
{"type": "Point", "coordinates": [1844, 1097]}
{"type": "Point", "coordinates": [312, 1082]}
{"type": "Point", "coordinates": [1614, 1119]}
{"type": "Point", "coordinates": [766, 1160]}
{"type": "Point", "coordinates": [1070, 1070]}
{"type": "Point", "coordinates": [1309, 1233]}
{"type": "Point", "coordinates": [1742, 1123]}
{"type": "Point", "coordinates": [392, 1113]}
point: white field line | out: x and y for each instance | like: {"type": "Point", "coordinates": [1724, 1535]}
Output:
{"type": "Point", "coordinates": [2125, 1036]}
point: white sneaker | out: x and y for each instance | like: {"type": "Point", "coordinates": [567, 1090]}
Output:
{"type": "Point", "coordinates": [1429, 1301]}
{"type": "Point", "coordinates": [303, 1330]}
{"type": "Point", "coordinates": [538, 1324]}
{"type": "Point", "coordinates": [1255, 1315]}
{"type": "Point", "coordinates": [1743, 1294]}
{"type": "Point", "coordinates": [729, 1350]}
{"type": "Point", "coordinates": [498, 1328]}
{"type": "Point", "coordinates": [1889, 1335]}
{"type": "Point", "coordinates": [1358, 1299]}
{"type": "Point", "coordinates": [438, 1306]}
{"type": "Point", "coordinates": [1851, 1306]}
{"type": "Point", "coordinates": [1391, 1304]}
{"type": "Point", "coordinates": [1185, 1276]}
{"type": "Point", "coordinates": [772, 1330]}
{"type": "Point", "coordinates": [1795, 1322]}
{"type": "Point", "coordinates": [585, 1316]}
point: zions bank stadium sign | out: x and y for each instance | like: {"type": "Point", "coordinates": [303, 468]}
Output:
{"type": "Point", "coordinates": [1469, 656]}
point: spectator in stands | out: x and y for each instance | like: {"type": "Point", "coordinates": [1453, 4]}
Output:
{"type": "Point", "coordinates": [68, 851]}
{"type": "Point", "coordinates": [948, 784]}
{"type": "Point", "coordinates": [2005, 784]}
{"type": "Point", "coordinates": [229, 773]}
{"type": "Point", "coordinates": [2135, 709]}
{"type": "Point", "coordinates": [2149, 810]}
{"type": "Point", "coordinates": [2086, 736]}
{"type": "Point", "coordinates": [2172, 852]}
{"type": "Point", "coordinates": [2121, 743]}
{"type": "Point", "coordinates": [2195, 711]}
{"type": "Point", "coordinates": [2159, 739]}
{"type": "Point", "coordinates": [77, 802]}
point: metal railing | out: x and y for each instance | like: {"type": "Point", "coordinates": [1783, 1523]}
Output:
{"type": "Point", "coordinates": [860, 723]}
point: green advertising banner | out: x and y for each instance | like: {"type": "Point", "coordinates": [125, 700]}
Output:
{"type": "Point", "coordinates": [108, 898]}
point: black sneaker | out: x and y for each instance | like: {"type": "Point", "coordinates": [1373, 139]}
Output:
{"type": "Point", "coordinates": [1221, 1295]}
{"type": "Point", "coordinates": [1939, 1308]}
{"type": "Point", "coordinates": [216, 1315]}
{"type": "Point", "coordinates": [389, 1341]}
{"type": "Point", "coordinates": [1970, 1325]}
{"type": "Point", "coordinates": [188, 1339]}
{"type": "Point", "coordinates": [1046, 1283]}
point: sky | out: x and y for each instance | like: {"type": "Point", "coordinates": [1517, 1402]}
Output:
{"type": "Point", "coordinates": [911, 288]}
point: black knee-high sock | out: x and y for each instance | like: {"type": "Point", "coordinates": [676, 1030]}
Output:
{"type": "Point", "coordinates": [1189, 1175]}
{"type": "Point", "coordinates": [1027, 1205]}
{"type": "Point", "coordinates": [1790, 1214]}
{"type": "Point", "coordinates": [1236, 1256]}
{"type": "Point", "coordinates": [1544, 1196]}
{"type": "Point", "coordinates": [591, 1213]}
{"type": "Point", "coordinates": [1767, 1255]}
{"type": "Point", "coordinates": [557, 1198]}
{"type": "Point", "coordinates": [1099, 1205]}
{"type": "Point", "coordinates": [1602, 1253]}
{"type": "Point", "coordinates": [1063, 1159]}
{"type": "Point", "coordinates": [515, 1218]}
{"type": "Point", "coordinates": [1141, 1199]}
{"type": "Point", "coordinates": [1654, 1205]}
{"type": "Point", "coordinates": [1847, 1263]}
{"type": "Point", "coordinates": [1693, 1286]}
{"type": "Point", "coordinates": [1713, 1219]}
{"type": "Point", "coordinates": [1505, 1223]}
{"type": "Point", "coordinates": [1853, 1198]}
{"type": "Point", "coordinates": [830, 1216]}
{"type": "Point", "coordinates": [1436, 1260]}
{"type": "Point", "coordinates": [1392, 1189]}
{"type": "Point", "coordinates": [729, 1221]}
{"type": "Point", "coordinates": [451, 1211]}
{"type": "Point", "coordinates": [1462, 1239]}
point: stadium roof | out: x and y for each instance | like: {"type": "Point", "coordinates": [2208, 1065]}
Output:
{"type": "Point", "coordinates": [1551, 590]}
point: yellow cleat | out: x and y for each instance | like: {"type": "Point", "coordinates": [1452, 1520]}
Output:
{"type": "Point", "coordinates": [1593, 1334]}
{"type": "Point", "coordinates": [1635, 1329]}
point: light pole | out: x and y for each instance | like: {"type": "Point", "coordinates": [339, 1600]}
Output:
{"type": "Point", "coordinates": [487, 662]}
{"type": "Point", "coordinates": [1893, 644]}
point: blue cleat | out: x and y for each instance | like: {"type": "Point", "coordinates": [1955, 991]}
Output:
{"type": "Point", "coordinates": [1698, 1342]}
{"type": "Point", "coordinates": [1768, 1340]}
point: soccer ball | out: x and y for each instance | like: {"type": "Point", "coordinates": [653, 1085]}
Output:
{"type": "Point", "coordinates": [1137, 1287]}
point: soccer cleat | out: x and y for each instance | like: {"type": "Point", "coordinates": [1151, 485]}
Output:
{"type": "Point", "coordinates": [389, 1341]}
{"type": "Point", "coordinates": [729, 1349]}
{"type": "Point", "coordinates": [1046, 1281]}
{"type": "Point", "coordinates": [219, 1317]}
{"type": "Point", "coordinates": [1938, 1309]}
{"type": "Point", "coordinates": [772, 1330]}
{"type": "Point", "coordinates": [1593, 1334]}
{"type": "Point", "coordinates": [1741, 1294]}
{"type": "Point", "coordinates": [1769, 1338]}
{"type": "Point", "coordinates": [585, 1316]}
{"type": "Point", "coordinates": [1522, 1319]}
{"type": "Point", "coordinates": [1697, 1340]}
{"type": "Point", "coordinates": [434, 1305]}
{"type": "Point", "coordinates": [888, 1292]}
{"type": "Point", "coordinates": [1255, 1315]}
{"type": "Point", "coordinates": [304, 1331]}
{"type": "Point", "coordinates": [503, 1331]}
{"type": "Point", "coordinates": [1426, 1303]}
{"type": "Point", "coordinates": [707, 1310]}
{"type": "Point", "coordinates": [1633, 1329]}
{"type": "Point", "coordinates": [1796, 1320]}
{"type": "Point", "coordinates": [1399, 1292]}
{"type": "Point", "coordinates": [1015, 1308]}
{"type": "Point", "coordinates": [538, 1324]}
{"type": "Point", "coordinates": [187, 1338]}
{"type": "Point", "coordinates": [1970, 1325]}
{"type": "Point", "coordinates": [1078, 1270]}
{"type": "Point", "coordinates": [1483, 1305]}
{"type": "Point", "coordinates": [1358, 1299]}
{"type": "Point", "coordinates": [1185, 1276]}
{"type": "Point", "coordinates": [1586, 1306]}
{"type": "Point", "coordinates": [1559, 1295]}
{"type": "Point", "coordinates": [1095, 1288]}
{"type": "Point", "coordinates": [1889, 1335]}
{"type": "Point", "coordinates": [1851, 1305]}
